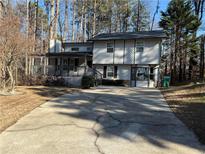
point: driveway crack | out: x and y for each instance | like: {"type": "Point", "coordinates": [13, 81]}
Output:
{"type": "Point", "coordinates": [50, 125]}
{"type": "Point", "coordinates": [97, 134]}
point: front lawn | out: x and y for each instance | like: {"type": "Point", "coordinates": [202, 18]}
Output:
{"type": "Point", "coordinates": [188, 103]}
{"type": "Point", "coordinates": [25, 100]}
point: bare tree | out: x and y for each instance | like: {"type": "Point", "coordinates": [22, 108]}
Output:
{"type": "Point", "coordinates": [13, 43]}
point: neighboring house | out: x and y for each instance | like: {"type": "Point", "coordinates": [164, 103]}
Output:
{"type": "Point", "coordinates": [132, 58]}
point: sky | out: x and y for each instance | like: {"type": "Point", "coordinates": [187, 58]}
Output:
{"type": "Point", "coordinates": [162, 7]}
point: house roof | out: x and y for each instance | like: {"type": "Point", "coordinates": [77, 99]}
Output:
{"type": "Point", "coordinates": [129, 35]}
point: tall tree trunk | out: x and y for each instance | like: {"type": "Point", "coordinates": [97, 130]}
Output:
{"type": "Point", "coordinates": [56, 19]}
{"type": "Point", "coordinates": [81, 33]}
{"type": "Point", "coordinates": [176, 53]}
{"type": "Point", "coordinates": [126, 18]}
{"type": "Point", "coordinates": [202, 63]}
{"type": "Point", "coordinates": [156, 11]}
{"type": "Point", "coordinates": [27, 29]}
{"type": "Point", "coordinates": [73, 22]}
{"type": "Point", "coordinates": [171, 59]}
{"type": "Point", "coordinates": [36, 23]}
{"type": "Point", "coordinates": [66, 32]}
{"type": "Point", "coordinates": [85, 22]}
{"type": "Point", "coordinates": [138, 16]}
{"type": "Point", "coordinates": [52, 16]}
{"type": "Point", "coordinates": [11, 78]}
{"type": "Point", "coordinates": [94, 18]}
{"type": "Point", "coordinates": [184, 65]}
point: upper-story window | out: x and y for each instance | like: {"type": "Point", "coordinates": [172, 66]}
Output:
{"type": "Point", "coordinates": [110, 47]}
{"type": "Point", "coordinates": [74, 49]}
{"type": "Point", "coordinates": [139, 46]}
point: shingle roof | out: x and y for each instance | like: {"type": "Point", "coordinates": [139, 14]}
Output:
{"type": "Point", "coordinates": [129, 35]}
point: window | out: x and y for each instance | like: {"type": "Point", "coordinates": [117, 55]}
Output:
{"type": "Point", "coordinates": [104, 71]}
{"type": "Point", "coordinates": [151, 73]}
{"type": "Point", "coordinates": [142, 73]}
{"type": "Point", "coordinates": [139, 46]}
{"type": "Point", "coordinates": [110, 47]}
{"type": "Point", "coordinates": [115, 72]}
{"type": "Point", "coordinates": [110, 71]}
{"type": "Point", "coordinates": [65, 64]}
{"type": "Point", "coordinates": [74, 49]}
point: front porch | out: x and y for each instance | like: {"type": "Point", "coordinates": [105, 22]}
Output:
{"type": "Point", "coordinates": [69, 64]}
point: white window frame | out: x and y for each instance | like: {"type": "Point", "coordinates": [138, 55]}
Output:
{"type": "Point", "coordinates": [139, 46]}
{"type": "Point", "coordinates": [110, 45]}
{"type": "Point", "coordinates": [110, 69]}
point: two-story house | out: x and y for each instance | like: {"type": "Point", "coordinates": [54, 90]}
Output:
{"type": "Point", "coordinates": [132, 57]}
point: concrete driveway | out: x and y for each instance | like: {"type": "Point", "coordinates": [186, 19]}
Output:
{"type": "Point", "coordinates": [106, 120]}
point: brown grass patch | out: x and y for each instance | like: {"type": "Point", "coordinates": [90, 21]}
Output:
{"type": "Point", "coordinates": [25, 100]}
{"type": "Point", "coordinates": [188, 103]}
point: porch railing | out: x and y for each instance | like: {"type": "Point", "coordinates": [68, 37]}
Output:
{"type": "Point", "coordinates": [65, 71]}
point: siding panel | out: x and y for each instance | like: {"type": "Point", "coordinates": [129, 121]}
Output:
{"type": "Point", "coordinates": [100, 55]}
{"type": "Point", "coordinates": [118, 55]}
{"type": "Point", "coordinates": [129, 52]}
{"type": "Point", "coordinates": [150, 54]}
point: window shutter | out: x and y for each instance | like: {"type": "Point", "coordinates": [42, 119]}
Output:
{"type": "Point", "coordinates": [104, 71]}
{"type": "Point", "coordinates": [115, 72]}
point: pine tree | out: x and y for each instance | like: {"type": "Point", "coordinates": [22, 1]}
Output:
{"type": "Point", "coordinates": [179, 22]}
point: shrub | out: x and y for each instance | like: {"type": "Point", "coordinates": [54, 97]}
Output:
{"type": "Point", "coordinates": [87, 81]}
{"type": "Point", "coordinates": [55, 81]}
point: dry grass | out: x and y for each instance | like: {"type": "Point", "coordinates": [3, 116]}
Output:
{"type": "Point", "coordinates": [188, 103]}
{"type": "Point", "coordinates": [25, 100]}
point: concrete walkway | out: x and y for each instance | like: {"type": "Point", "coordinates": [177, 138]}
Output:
{"type": "Point", "coordinates": [101, 121]}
